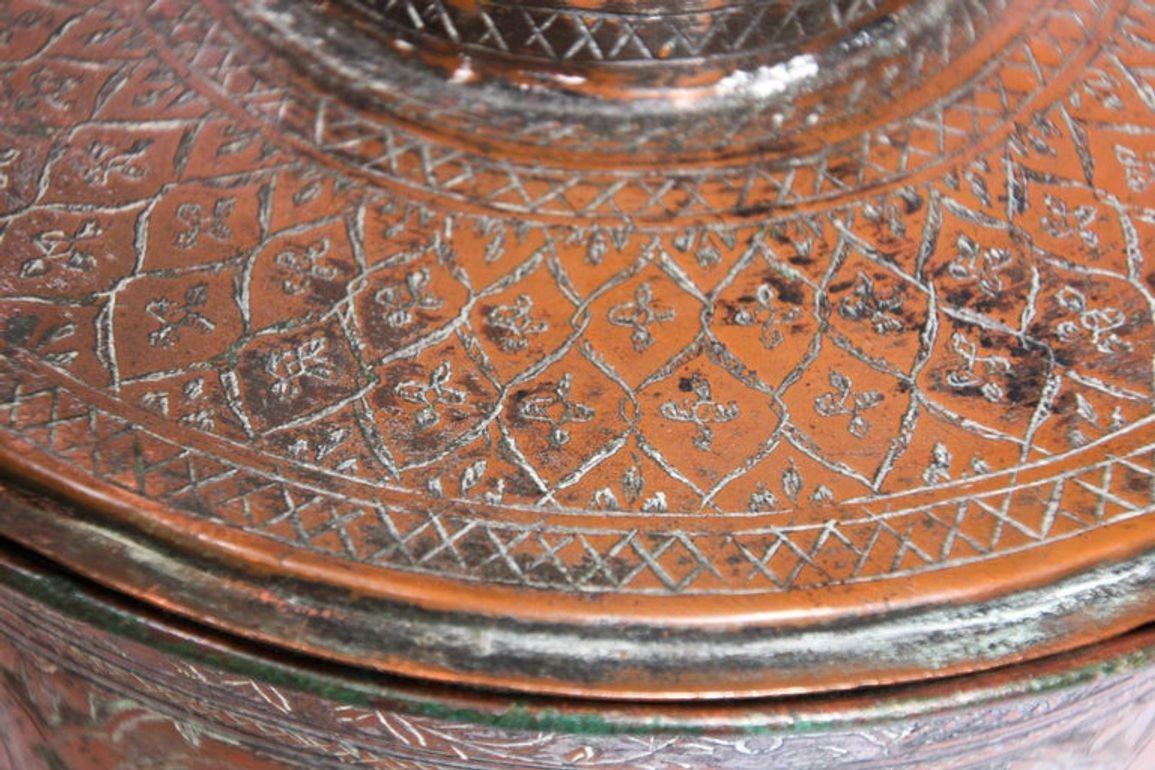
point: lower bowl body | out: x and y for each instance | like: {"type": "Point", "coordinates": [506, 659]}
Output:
{"type": "Point", "coordinates": [89, 682]}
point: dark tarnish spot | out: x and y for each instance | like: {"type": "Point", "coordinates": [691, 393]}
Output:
{"type": "Point", "coordinates": [791, 292]}
{"type": "Point", "coordinates": [966, 297]}
{"type": "Point", "coordinates": [845, 171]}
{"type": "Point", "coordinates": [327, 293]}
{"type": "Point", "coordinates": [477, 387]}
{"type": "Point", "coordinates": [489, 331]}
{"type": "Point", "coordinates": [911, 203]}
{"type": "Point", "coordinates": [1064, 406]}
{"type": "Point", "coordinates": [521, 484]}
{"type": "Point", "coordinates": [402, 371]}
{"type": "Point", "coordinates": [731, 310]}
{"type": "Point", "coordinates": [1138, 483]}
{"type": "Point", "coordinates": [970, 391]}
{"type": "Point", "coordinates": [519, 397]}
{"type": "Point", "coordinates": [685, 384]}
{"type": "Point", "coordinates": [1026, 383]}
{"type": "Point", "coordinates": [423, 441]}
{"type": "Point", "coordinates": [20, 328]}
{"type": "Point", "coordinates": [779, 236]}
{"type": "Point", "coordinates": [736, 560]}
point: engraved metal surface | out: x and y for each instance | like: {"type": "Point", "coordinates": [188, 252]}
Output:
{"type": "Point", "coordinates": [74, 695]}
{"type": "Point", "coordinates": [358, 336]}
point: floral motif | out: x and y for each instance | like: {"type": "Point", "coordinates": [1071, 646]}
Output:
{"type": "Point", "coordinates": [58, 247]}
{"type": "Point", "coordinates": [639, 314]}
{"type": "Point", "coordinates": [304, 265]}
{"type": "Point", "coordinates": [431, 394]}
{"type": "Point", "coordinates": [1138, 170]}
{"type": "Point", "coordinates": [401, 302]}
{"type": "Point", "coordinates": [700, 411]}
{"type": "Point", "coordinates": [175, 316]}
{"type": "Point", "coordinates": [767, 315]}
{"type": "Point", "coordinates": [290, 368]}
{"type": "Point", "coordinates": [1098, 324]}
{"type": "Point", "coordinates": [866, 304]}
{"type": "Point", "coordinates": [1063, 222]}
{"type": "Point", "coordinates": [977, 370]}
{"type": "Point", "coordinates": [514, 324]}
{"type": "Point", "coordinates": [556, 410]}
{"type": "Point", "coordinates": [844, 401]}
{"type": "Point", "coordinates": [197, 221]}
{"type": "Point", "coordinates": [108, 161]}
{"type": "Point", "coordinates": [976, 264]}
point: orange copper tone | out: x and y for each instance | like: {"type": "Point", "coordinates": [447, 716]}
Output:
{"type": "Point", "coordinates": [628, 351]}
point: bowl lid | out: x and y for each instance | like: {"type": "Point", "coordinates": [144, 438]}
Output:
{"type": "Point", "coordinates": [584, 347]}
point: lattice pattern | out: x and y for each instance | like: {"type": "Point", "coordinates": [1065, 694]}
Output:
{"type": "Point", "coordinates": [560, 34]}
{"type": "Point", "coordinates": [804, 368]}
{"type": "Point", "coordinates": [883, 540]}
{"type": "Point", "coordinates": [72, 681]}
{"type": "Point", "coordinates": [887, 154]}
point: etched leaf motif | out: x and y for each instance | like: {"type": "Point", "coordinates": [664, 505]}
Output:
{"type": "Point", "coordinates": [868, 305]}
{"type": "Point", "coordinates": [8, 158]}
{"type": "Point", "coordinates": [708, 256]}
{"type": "Point", "coordinates": [940, 462]}
{"type": "Point", "coordinates": [196, 295]}
{"type": "Point", "coordinates": [472, 475]}
{"type": "Point", "coordinates": [656, 503]}
{"type": "Point", "coordinates": [79, 260]}
{"type": "Point", "coordinates": [307, 194]}
{"type": "Point", "coordinates": [1085, 409]}
{"type": "Point", "coordinates": [639, 314]}
{"type": "Point", "coordinates": [401, 301]}
{"type": "Point", "coordinates": [1100, 324]}
{"type": "Point", "coordinates": [632, 483]}
{"type": "Point", "coordinates": [834, 403]}
{"type": "Point", "coordinates": [60, 332]}
{"type": "Point", "coordinates": [978, 264]}
{"type": "Point", "coordinates": [495, 248]}
{"type": "Point", "coordinates": [762, 499]}
{"type": "Point", "coordinates": [1071, 299]}
{"type": "Point", "coordinates": [701, 388]}
{"type": "Point", "coordinates": [963, 346]}
{"type": "Point", "coordinates": [977, 370]}
{"type": "Point", "coordinates": [604, 499]}
{"type": "Point", "coordinates": [993, 392]}
{"type": "Point", "coordinates": [34, 268]}
{"type": "Point", "coordinates": [792, 482]}
{"type": "Point", "coordinates": [557, 410]}
{"type": "Point", "coordinates": [514, 324]}
{"type": "Point", "coordinates": [823, 495]}
{"type": "Point", "coordinates": [440, 375]}
{"type": "Point", "coordinates": [700, 411]}
{"type": "Point", "coordinates": [826, 405]}
{"type": "Point", "coordinates": [764, 294]}
{"type": "Point", "coordinates": [597, 248]}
